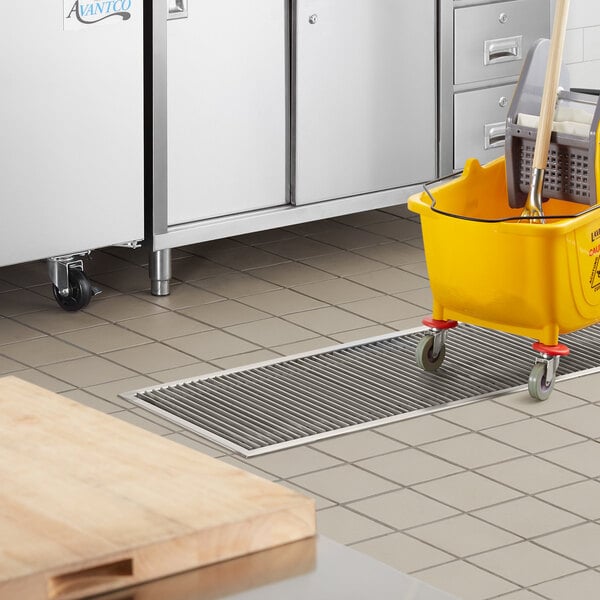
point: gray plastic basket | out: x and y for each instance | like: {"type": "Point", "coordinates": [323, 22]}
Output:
{"type": "Point", "coordinates": [570, 170]}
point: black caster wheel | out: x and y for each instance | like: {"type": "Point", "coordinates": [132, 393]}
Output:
{"type": "Point", "coordinates": [539, 388]}
{"type": "Point", "coordinates": [80, 292]}
{"type": "Point", "coordinates": [424, 354]}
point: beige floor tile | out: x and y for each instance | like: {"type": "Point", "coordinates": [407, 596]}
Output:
{"type": "Point", "coordinates": [195, 444]}
{"type": "Point", "coordinates": [167, 325]}
{"type": "Point", "coordinates": [410, 323]}
{"type": "Point", "coordinates": [87, 371]}
{"type": "Point", "coordinates": [390, 280]}
{"type": "Point", "coordinates": [465, 581]}
{"type": "Point", "coordinates": [580, 586]}
{"type": "Point", "coordinates": [582, 498]}
{"type": "Point", "coordinates": [110, 391]}
{"type": "Point", "coordinates": [293, 462]}
{"type": "Point", "coordinates": [248, 257]}
{"type": "Point", "coordinates": [533, 435]}
{"type": "Point", "coordinates": [421, 430]}
{"type": "Point", "coordinates": [196, 369]}
{"type": "Point", "coordinates": [43, 380]}
{"type": "Point", "coordinates": [5, 286]}
{"type": "Point", "coordinates": [347, 527]}
{"type": "Point", "coordinates": [403, 552]}
{"type": "Point", "coordinates": [344, 264]}
{"type": "Point", "coordinates": [320, 502]}
{"type": "Point", "coordinates": [418, 268]}
{"type": "Point", "coordinates": [110, 259]}
{"type": "Point", "coordinates": [142, 422]}
{"type": "Point", "coordinates": [361, 334]}
{"type": "Point", "coordinates": [182, 296]}
{"type": "Point", "coordinates": [55, 321]}
{"type": "Point", "coordinates": [42, 351]}
{"type": "Point", "coordinates": [150, 357]}
{"type": "Point", "coordinates": [225, 313]}
{"type": "Point", "coordinates": [212, 247]}
{"type": "Point", "coordinates": [150, 416]}
{"type": "Point", "coordinates": [585, 387]}
{"type": "Point", "coordinates": [384, 309]}
{"type": "Point", "coordinates": [343, 483]}
{"type": "Point", "coordinates": [481, 415]}
{"type": "Point", "coordinates": [271, 332]}
{"type": "Point", "coordinates": [355, 446]}
{"type": "Point", "coordinates": [18, 302]}
{"type": "Point", "coordinates": [520, 595]}
{"type": "Point", "coordinates": [530, 474]}
{"type": "Point", "coordinates": [467, 491]}
{"type": "Point", "coordinates": [463, 535]}
{"type": "Point", "coordinates": [328, 320]}
{"type": "Point", "coordinates": [104, 338]}
{"type": "Point", "coordinates": [91, 401]}
{"type": "Point", "coordinates": [580, 543]}
{"type": "Point", "coordinates": [211, 344]}
{"type": "Point", "coordinates": [235, 285]}
{"type": "Point", "coordinates": [349, 238]}
{"type": "Point", "coordinates": [11, 332]}
{"type": "Point", "coordinates": [399, 229]}
{"type": "Point", "coordinates": [525, 563]}
{"type": "Point", "coordinates": [311, 227]}
{"type": "Point", "coordinates": [317, 343]}
{"type": "Point", "coordinates": [120, 308]}
{"type": "Point", "coordinates": [244, 466]}
{"type": "Point", "coordinates": [8, 365]}
{"type": "Point", "coordinates": [472, 450]}
{"type": "Point", "coordinates": [281, 302]}
{"type": "Point", "coordinates": [408, 467]}
{"type": "Point", "coordinates": [193, 268]}
{"type": "Point", "coordinates": [528, 517]}
{"type": "Point", "coordinates": [24, 275]}
{"type": "Point", "coordinates": [395, 254]}
{"type": "Point", "coordinates": [584, 420]}
{"type": "Point", "coordinates": [583, 458]}
{"type": "Point", "coordinates": [299, 248]}
{"type": "Point", "coordinates": [257, 238]}
{"type": "Point", "coordinates": [402, 509]}
{"type": "Point", "coordinates": [524, 402]}
{"type": "Point", "coordinates": [335, 291]}
{"type": "Point", "coordinates": [291, 274]}
{"type": "Point", "coordinates": [243, 360]}
{"type": "Point", "coordinates": [130, 279]}
{"type": "Point", "coordinates": [422, 298]}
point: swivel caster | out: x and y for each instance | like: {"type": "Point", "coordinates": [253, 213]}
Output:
{"type": "Point", "coordinates": [431, 349]}
{"type": "Point", "coordinates": [71, 288]}
{"type": "Point", "coordinates": [543, 374]}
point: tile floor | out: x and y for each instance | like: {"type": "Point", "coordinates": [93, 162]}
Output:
{"type": "Point", "coordinates": [498, 499]}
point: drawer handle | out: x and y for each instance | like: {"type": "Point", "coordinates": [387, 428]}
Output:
{"type": "Point", "coordinates": [178, 9]}
{"type": "Point", "coordinates": [495, 134]}
{"type": "Point", "coordinates": [503, 50]}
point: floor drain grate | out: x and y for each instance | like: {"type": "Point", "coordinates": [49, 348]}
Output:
{"type": "Point", "coordinates": [292, 401]}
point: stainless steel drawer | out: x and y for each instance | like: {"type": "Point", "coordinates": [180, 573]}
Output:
{"type": "Point", "coordinates": [491, 40]}
{"type": "Point", "coordinates": [480, 123]}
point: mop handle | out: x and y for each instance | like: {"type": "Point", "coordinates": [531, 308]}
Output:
{"type": "Point", "coordinates": [542, 144]}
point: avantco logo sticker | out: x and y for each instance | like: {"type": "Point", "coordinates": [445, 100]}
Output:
{"type": "Point", "coordinates": [79, 14]}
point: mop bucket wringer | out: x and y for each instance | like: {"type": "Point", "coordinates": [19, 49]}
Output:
{"type": "Point", "coordinates": [489, 267]}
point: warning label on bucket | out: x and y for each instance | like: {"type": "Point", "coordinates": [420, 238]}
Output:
{"type": "Point", "coordinates": [595, 276]}
{"type": "Point", "coordinates": [79, 14]}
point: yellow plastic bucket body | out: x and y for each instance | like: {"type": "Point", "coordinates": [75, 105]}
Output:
{"type": "Point", "coordinates": [537, 280]}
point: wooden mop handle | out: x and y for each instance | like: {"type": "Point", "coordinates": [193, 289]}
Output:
{"type": "Point", "coordinates": [542, 144]}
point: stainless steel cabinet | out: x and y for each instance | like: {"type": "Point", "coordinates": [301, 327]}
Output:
{"type": "Point", "coordinates": [365, 102]}
{"type": "Point", "coordinates": [227, 124]}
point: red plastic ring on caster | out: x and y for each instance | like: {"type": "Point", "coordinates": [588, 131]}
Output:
{"type": "Point", "coordinates": [558, 350]}
{"type": "Point", "coordinates": [435, 324]}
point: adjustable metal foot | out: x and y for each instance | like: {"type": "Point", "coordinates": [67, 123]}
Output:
{"type": "Point", "coordinates": [160, 272]}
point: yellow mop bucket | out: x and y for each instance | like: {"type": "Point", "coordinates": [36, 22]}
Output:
{"type": "Point", "coordinates": [489, 267]}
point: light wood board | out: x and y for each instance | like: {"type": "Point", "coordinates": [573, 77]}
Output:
{"type": "Point", "coordinates": [89, 503]}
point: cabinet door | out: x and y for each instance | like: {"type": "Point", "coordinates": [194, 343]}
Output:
{"type": "Point", "coordinates": [227, 108]}
{"type": "Point", "coordinates": [365, 113]}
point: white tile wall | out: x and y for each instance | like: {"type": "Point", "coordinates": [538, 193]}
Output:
{"type": "Point", "coordinates": [582, 45]}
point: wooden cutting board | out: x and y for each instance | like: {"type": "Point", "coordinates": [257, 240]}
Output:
{"type": "Point", "coordinates": [89, 503]}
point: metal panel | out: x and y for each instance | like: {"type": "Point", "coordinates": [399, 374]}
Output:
{"type": "Point", "coordinates": [71, 123]}
{"type": "Point", "coordinates": [227, 108]}
{"type": "Point", "coordinates": [490, 41]}
{"type": "Point", "coordinates": [297, 400]}
{"type": "Point", "coordinates": [365, 117]}
{"type": "Point", "coordinates": [480, 123]}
